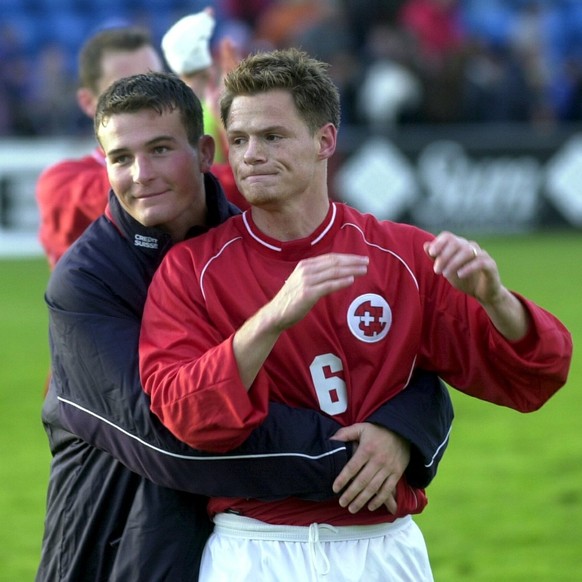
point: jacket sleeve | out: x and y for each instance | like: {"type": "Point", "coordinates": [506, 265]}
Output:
{"type": "Point", "coordinates": [94, 348]}
{"type": "Point", "coordinates": [423, 415]}
{"type": "Point", "coordinates": [290, 454]}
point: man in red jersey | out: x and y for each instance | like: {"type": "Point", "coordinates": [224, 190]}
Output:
{"type": "Point", "coordinates": [72, 193]}
{"type": "Point", "coordinates": [331, 299]}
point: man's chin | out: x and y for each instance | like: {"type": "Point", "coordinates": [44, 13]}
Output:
{"type": "Point", "coordinates": [151, 219]}
{"type": "Point", "coordinates": [259, 198]}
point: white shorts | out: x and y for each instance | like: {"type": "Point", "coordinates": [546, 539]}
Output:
{"type": "Point", "coordinates": [247, 550]}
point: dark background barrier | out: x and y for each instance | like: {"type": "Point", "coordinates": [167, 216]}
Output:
{"type": "Point", "coordinates": [477, 178]}
{"type": "Point", "coordinates": [488, 179]}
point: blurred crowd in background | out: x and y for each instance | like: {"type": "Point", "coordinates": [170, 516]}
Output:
{"type": "Point", "coordinates": [396, 61]}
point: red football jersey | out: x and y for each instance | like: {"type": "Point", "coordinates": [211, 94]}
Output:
{"type": "Point", "coordinates": [354, 350]}
{"type": "Point", "coordinates": [70, 195]}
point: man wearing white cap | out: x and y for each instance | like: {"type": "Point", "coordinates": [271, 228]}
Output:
{"type": "Point", "coordinates": [186, 48]}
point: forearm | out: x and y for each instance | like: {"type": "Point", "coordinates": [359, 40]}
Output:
{"type": "Point", "coordinates": [201, 399]}
{"type": "Point", "coordinates": [291, 454]}
{"type": "Point", "coordinates": [253, 343]}
{"type": "Point", "coordinates": [508, 315]}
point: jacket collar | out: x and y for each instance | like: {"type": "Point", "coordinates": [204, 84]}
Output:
{"type": "Point", "coordinates": [153, 241]}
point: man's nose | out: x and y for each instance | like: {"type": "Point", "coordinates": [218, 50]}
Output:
{"type": "Point", "coordinates": [255, 151]}
{"type": "Point", "coordinates": [142, 170]}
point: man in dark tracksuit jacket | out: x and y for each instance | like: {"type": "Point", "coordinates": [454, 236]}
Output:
{"type": "Point", "coordinates": [125, 497]}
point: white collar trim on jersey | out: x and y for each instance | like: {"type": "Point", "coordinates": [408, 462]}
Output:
{"type": "Point", "coordinates": [279, 249]}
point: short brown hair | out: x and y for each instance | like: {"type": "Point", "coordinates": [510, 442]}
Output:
{"type": "Point", "coordinates": [307, 79]}
{"type": "Point", "coordinates": [160, 92]}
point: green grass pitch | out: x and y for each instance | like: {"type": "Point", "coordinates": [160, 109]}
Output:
{"type": "Point", "coordinates": [505, 506]}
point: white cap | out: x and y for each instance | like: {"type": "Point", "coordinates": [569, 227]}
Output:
{"type": "Point", "coordinates": [186, 44]}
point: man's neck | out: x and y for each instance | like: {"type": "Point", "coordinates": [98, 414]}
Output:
{"type": "Point", "coordinates": [293, 222]}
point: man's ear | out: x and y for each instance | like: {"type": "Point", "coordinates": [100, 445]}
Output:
{"type": "Point", "coordinates": [87, 101]}
{"type": "Point", "coordinates": [206, 149]}
{"type": "Point", "coordinates": [327, 136]}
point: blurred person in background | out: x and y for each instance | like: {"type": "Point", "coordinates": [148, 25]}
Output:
{"type": "Point", "coordinates": [390, 90]}
{"type": "Point", "coordinates": [15, 83]}
{"type": "Point", "coordinates": [53, 101]}
{"type": "Point", "coordinates": [187, 50]}
{"type": "Point", "coordinates": [435, 28]}
{"type": "Point", "coordinates": [186, 47]}
{"type": "Point", "coordinates": [72, 193]}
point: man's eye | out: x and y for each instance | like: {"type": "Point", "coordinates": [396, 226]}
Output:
{"type": "Point", "coordinates": [121, 160]}
{"type": "Point", "coordinates": [161, 149]}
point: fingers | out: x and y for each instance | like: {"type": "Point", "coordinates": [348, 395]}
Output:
{"type": "Point", "coordinates": [314, 278]}
{"type": "Point", "coordinates": [311, 280]}
{"type": "Point", "coordinates": [372, 474]}
{"type": "Point", "coordinates": [352, 468]}
{"type": "Point", "coordinates": [332, 266]}
{"type": "Point", "coordinates": [466, 266]}
{"type": "Point", "coordinates": [391, 505]}
{"type": "Point", "coordinates": [386, 496]}
{"type": "Point", "coordinates": [354, 465]}
{"type": "Point", "coordinates": [373, 493]}
{"type": "Point", "coordinates": [452, 255]}
{"type": "Point", "coordinates": [371, 490]}
{"type": "Point", "coordinates": [348, 433]}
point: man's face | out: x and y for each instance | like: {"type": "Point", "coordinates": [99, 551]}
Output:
{"type": "Point", "coordinates": [154, 171]}
{"type": "Point", "coordinates": [272, 152]}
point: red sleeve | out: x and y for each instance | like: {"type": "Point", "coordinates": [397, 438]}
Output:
{"type": "Point", "coordinates": [459, 342]}
{"type": "Point", "coordinates": [188, 370]}
{"type": "Point", "coordinates": [471, 355]}
{"type": "Point", "coordinates": [70, 195]}
{"type": "Point", "coordinates": [226, 178]}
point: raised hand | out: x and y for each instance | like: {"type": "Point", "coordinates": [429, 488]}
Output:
{"type": "Point", "coordinates": [473, 271]}
{"type": "Point", "coordinates": [311, 280]}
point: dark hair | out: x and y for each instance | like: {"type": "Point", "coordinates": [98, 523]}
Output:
{"type": "Point", "coordinates": [120, 39]}
{"type": "Point", "coordinates": [160, 92]}
{"type": "Point", "coordinates": [314, 93]}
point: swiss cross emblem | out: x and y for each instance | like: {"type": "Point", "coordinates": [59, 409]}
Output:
{"type": "Point", "coordinates": [369, 317]}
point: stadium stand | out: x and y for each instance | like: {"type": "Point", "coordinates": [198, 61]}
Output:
{"type": "Point", "coordinates": [535, 46]}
